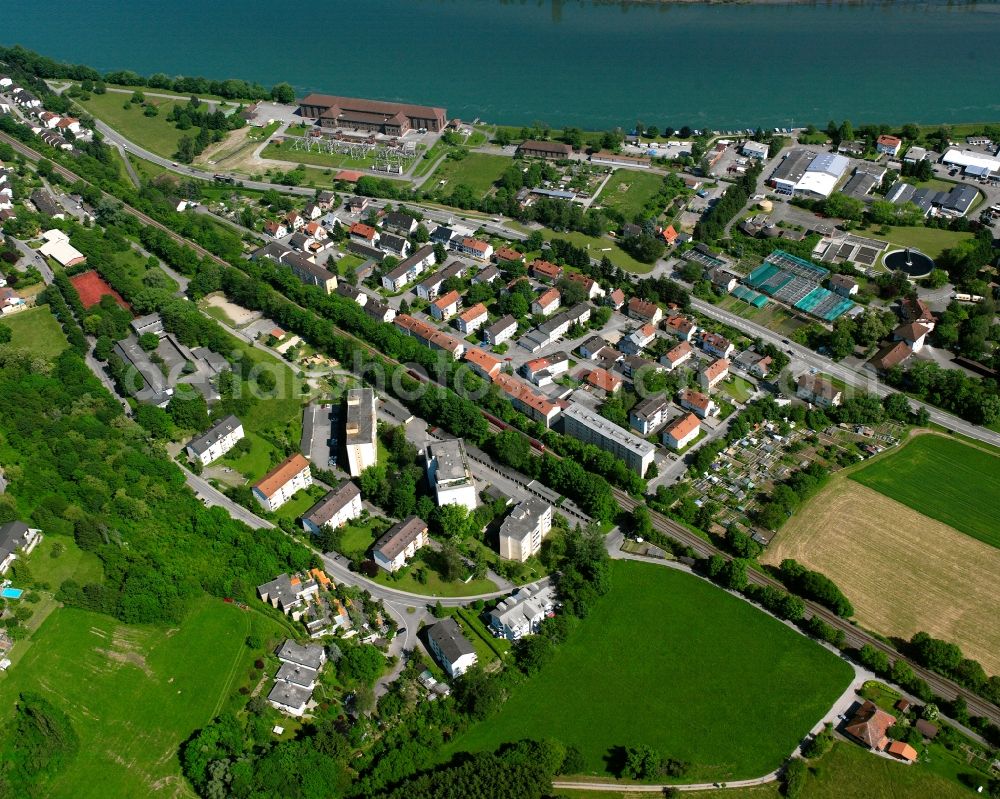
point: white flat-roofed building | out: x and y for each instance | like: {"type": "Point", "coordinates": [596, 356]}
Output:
{"type": "Point", "coordinates": [362, 448]}
{"type": "Point", "coordinates": [983, 164]}
{"type": "Point", "coordinates": [523, 531]}
{"type": "Point", "coordinates": [216, 441]}
{"type": "Point", "coordinates": [522, 612]}
{"type": "Point", "coordinates": [449, 474]}
{"type": "Point", "coordinates": [591, 428]}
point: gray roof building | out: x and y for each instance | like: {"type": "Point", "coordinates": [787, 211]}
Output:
{"type": "Point", "coordinates": [214, 434]}
{"type": "Point", "coordinates": [289, 695]}
{"type": "Point", "coordinates": [398, 537]}
{"type": "Point", "coordinates": [447, 638]}
{"type": "Point", "coordinates": [297, 675]}
{"type": "Point", "coordinates": [334, 502]}
{"type": "Point", "coordinates": [311, 655]}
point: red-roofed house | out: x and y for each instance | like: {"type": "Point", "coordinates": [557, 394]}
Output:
{"type": "Point", "coordinates": [681, 431]}
{"type": "Point", "coordinates": [713, 374]}
{"type": "Point", "coordinates": [545, 270]}
{"type": "Point", "coordinates": [869, 725]}
{"type": "Point", "coordinates": [681, 326]}
{"type": "Point", "coordinates": [669, 234]}
{"type": "Point", "coordinates": [701, 404]}
{"type": "Point", "coordinates": [645, 311]}
{"type": "Point", "coordinates": [591, 286]}
{"type": "Point", "coordinates": [535, 406]}
{"type": "Point", "coordinates": [446, 306]}
{"type": "Point", "coordinates": [474, 248]}
{"type": "Point", "coordinates": [717, 345]}
{"type": "Point", "coordinates": [275, 230]}
{"type": "Point", "coordinates": [364, 233]}
{"type": "Point", "coordinates": [483, 364]}
{"type": "Point", "coordinates": [903, 751]}
{"type": "Point", "coordinates": [472, 318]}
{"type": "Point", "coordinates": [889, 145]}
{"type": "Point", "coordinates": [603, 379]}
{"type": "Point", "coordinates": [542, 371]}
{"type": "Point", "coordinates": [546, 303]}
{"type": "Point", "coordinates": [677, 355]}
{"type": "Point", "coordinates": [616, 299]}
{"type": "Point", "coordinates": [507, 254]}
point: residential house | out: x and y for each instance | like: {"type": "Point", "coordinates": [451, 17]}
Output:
{"type": "Point", "coordinates": [681, 431]}
{"type": "Point", "coordinates": [817, 390]}
{"type": "Point", "coordinates": [889, 356]}
{"type": "Point", "coordinates": [669, 235]}
{"type": "Point", "coordinates": [844, 285]}
{"type": "Point", "coordinates": [912, 334]}
{"type": "Point", "coordinates": [546, 303]}
{"type": "Point", "coordinates": [527, 401]}
{"type": "Point", "coordinates": [903, 751]}
{"type": "Point", "coordinates": [447, 306]}
{"type": "Point", "coordinates": [399, 223]}
{"type": "Point", "coordinates": [10, 300]}
{"type": "Point", "coordinates": [16, 539]}
{"type": "Point", "coordinates": [636, 341]}
{"type": "Point", "coordinates": [522, 532]}
{"type": "Point", "coordinates": [312, 211]}
{"type": "Point", "coordinates": [379, 311]}
{"type": "Point", "coordinates": [545, 270]}
{"type": "Point", "coordinates": [283, 482]}
{"type": "Point", "coordinates": [352, 293]}
{"type": "Point", "coordinates": [482, 363]}
{"type": "Point", "coordinates": [591, 428]}
{"type": "Point", "coordinates": [869, 725]}
{"type": "Point", "coordinates": [616, 299]}
{"type": "Point", "coordinates": [400, 543]}
{"type": "Point", "coordinates": [589, 285]}
{"type": "Point", "coordinates": [309, 273]}
{"type": "Point", "coordinates": [366, 234]}
{"type": "Point", "coordinates": [603, 380]}
{"type": "Point", "coordinates": [888, 145]}
{"type": "Point", "coordinates": [357, 205]}
{"type": "Point", "coordinates": [681, 326]}
{"type": "Point", "coordinates": [450, 647]}
{"type": "Point", "coordinates": [487, 275]}
{"type": "Point", "coordinates": [645, 311]}
{"type": "Point", "coordinates": [442, 235]}
{"type": "Point", "coordinates": [394, 245]}
{"type": "Point", "coordinates": [471, 319]}
{"type": "Point", "coordinates": [552, 329]}
{"type": "Point", "coordinates": [430, 287]}
{"type": "Point", "coordinates": [507, 254]}
{"type": "Point", "coordinates": [317, 233]}
{"type": "Point", "coordinates": [500, 331]}
{"type": "Point", "coordinates": [543, 371]}
{"type": "Point", "coordinates": [429, 335]}
{"type": "Point", "coordinates": [216, 441]}
{"type": "Point", "coordinates": [361, 438]}
{"type": "Point", "coordinates": [592, 346]}
{"type": "Point", "coordinates": [46, 204]}
{"type": "Point", "coordinates": [716, 344]}
{"type": "Point", "coordinates": [913, 309]}
{"type": "Point", "coordinates": [289, 594]}
{"type": "Point", "coordinates": [474, 248]}
{"type": "Point", "coordinates": [678, 355]}
{"type": "Point", "coordinates": [372, 255]}
{"type": "Point", "coordinates": [294, 220]}
{"type": "Point", "coordinates": [649, 414]}
{"type": "Point", "coordinates": [408, 271]}
{"type": "Point", "coordinates": [701, 404]}
{"type": "Point", "coordinates": [722, 279]}
{"type": "Point", "coordinates": [448, 473]}
{"type": "Point", "coordinates": [713, 374]}
{"type": "Point", "coordinates": [523, 611]}
{"type": "Point", "coordinates": [276, 230]}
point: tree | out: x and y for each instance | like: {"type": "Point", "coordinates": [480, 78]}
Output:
{"type": "Point", "coordinates": [283, 93]}
{"type": "Point", "coordinates": [149, 341]}
{"type": "Point", "coordinates": [532, 652]}
{"type": "Point", "coordinates": [842, 206]}
{"type": "Point", "coordinates": [6, 334]}
{"type": "Point", "coordinates": [793, 778]}
{"type": "Point", "coordinates": [188, 409]}
{"type": "Point", "coordinates": [897, 407]}
{"type": "Point", "coordinates": [641, 762]}
{"type": "Point", "coordinates": [361, 665]}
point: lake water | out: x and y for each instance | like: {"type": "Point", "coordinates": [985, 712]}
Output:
{"type": "Point", "coordinates": [564, 63]}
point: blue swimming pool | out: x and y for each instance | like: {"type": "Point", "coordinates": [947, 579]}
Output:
{"type": "Point", "coordinates": [11, 593]}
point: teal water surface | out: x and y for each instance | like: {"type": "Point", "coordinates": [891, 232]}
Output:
{"type": "Point", "coordinates": [581, 63]}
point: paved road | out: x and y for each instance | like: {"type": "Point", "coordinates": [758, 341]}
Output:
{"type": "Point", "coordinates": [867, 381]}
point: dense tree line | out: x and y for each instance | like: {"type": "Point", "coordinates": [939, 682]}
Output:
{"type": "Point", "coordinates": [815, 586]}
{"type": "Point", "coordinates": [712, 224]}
{"type": "Point", "coordinates": [974, 399]}
{"type": "Point", "coordinates": [947, 659]}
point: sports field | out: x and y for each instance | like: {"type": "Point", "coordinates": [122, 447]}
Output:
{"type": "Point", "coordinates": [628, 191]}
{"type": "Point", "coordinates": [945, 479]}
{"type": "Point", "coordinates": [903, 571]}
{"type": "Point", "coordinates": [133, 693]}
{"type": "Point", "coordinates": [36, 330]}
{"type": "Point", "coordinates": [92, 288]}
{"type": "Point", "coordinates": [669, 660]}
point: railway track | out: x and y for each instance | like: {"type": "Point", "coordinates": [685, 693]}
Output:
{"type": "Point", "coordinates": [941, 686]}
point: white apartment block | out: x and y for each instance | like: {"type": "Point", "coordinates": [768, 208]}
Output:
{"type": "Point", "coordinates": [523, 531]}
{"type": "Point", "coordinates": [362, 448]}
{"type": "Point", "coordinates": [449, 475]}
{"type": "Point", "coordinates": [216, 442]}
{"type": "Point", "coordinates": [282, 483]}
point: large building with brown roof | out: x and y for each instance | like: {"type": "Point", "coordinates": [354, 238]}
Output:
{"type": "Point", "coordinates": [393, 119]}
{"type": "Point", "coordinates": [544, 149]}
{"type": "Point", "coordinates": [869, 725]}
{"type": "Point", "coordinates": [281, 483]}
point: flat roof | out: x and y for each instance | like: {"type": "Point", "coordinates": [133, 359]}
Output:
{"type": "Point", "coordinates": [607, 428]}
{"type": "Point", "coordinates": [451, 460]}
{"type": "Point", "coordinates": [360, 416]}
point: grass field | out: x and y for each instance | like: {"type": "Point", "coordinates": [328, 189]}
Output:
{"type": "Point", "coordinates": [930, 241]}
{"type": "Point", "coordinates": [902, 571]}
{"type": "Point", "coordinates": [669, 660]}
{"type": "Point", "coordinates": [944, 479]}
{"type": "Point", "coordinates": [155, 134]}
{"type": "Point", "coordinates": [739, 389]}
{"type": "Point", "coordinates": [849, 772]}
{"type": "Point", "coordinates": [133, 693]}
{"type": "Point", "coordinates": [628, 191]}
{"type": "Point", "coordinates": [435, 586]}
{"type": "Point", "coordinates": [36, 330]}
{"type": "Point", "coordinates": [599, 248]}
{"type": "Point", "coordinates": [478, 171]}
